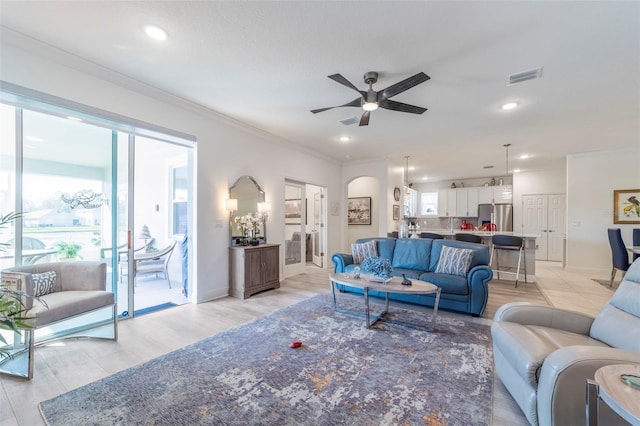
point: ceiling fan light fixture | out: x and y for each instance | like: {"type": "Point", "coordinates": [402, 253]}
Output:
{"type": "Point", "coordinates": [370, 106]}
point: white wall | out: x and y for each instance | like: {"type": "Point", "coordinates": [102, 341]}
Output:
{"type": "Point", "coordinates": [378, 170]}
{"type": "Point", "coordinates": [365, 187]}
{"type": "Point", "coordinates": [591, 180]}
{"type": "Point", "coordinates": [225, 149]}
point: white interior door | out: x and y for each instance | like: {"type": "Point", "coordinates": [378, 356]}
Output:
{"type": "Point", "coordinates": [544, 215]}
{"type": "Point", "coordinates": [556, 226]}
{"type": "Point", "coordinates": [295, 242]}
{"type": "Point", "coordinates": [535, 221]}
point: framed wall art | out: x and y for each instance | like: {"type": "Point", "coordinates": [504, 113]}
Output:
{"type": "Point", "coordinates": [626, 206]}
{"type": "Point", "coordinates": [293, 211]}
{"type": "Point", "coordinates": [396, 212]}
{"type": "Point", "coordinates": [359, 211]}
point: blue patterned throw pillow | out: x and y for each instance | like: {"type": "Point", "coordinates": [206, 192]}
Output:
{"type": "Point", "coordinates": [363, 250]}
{"type": "Point", "coordinates": [454, 261]}
{"type": "Point", "coordinates": [43, 283]}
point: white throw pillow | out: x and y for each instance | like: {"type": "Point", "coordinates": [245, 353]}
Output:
{"type": "Point", "coordinates": [363, 250]}
{"type": "Point", "coordinates": [454, 261]}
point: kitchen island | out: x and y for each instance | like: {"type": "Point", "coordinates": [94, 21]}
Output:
{"type": "Point", "coordinates": [508, 259]}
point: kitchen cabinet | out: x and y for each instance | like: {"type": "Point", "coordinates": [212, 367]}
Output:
{"type": "Point", "coordinates": [495, 194]}
{"type": "Point", "coordinates": [467, 202]}
{"type": "Point", "coordinates": [447, 203]}
{"type": "Point", "coordinates": [253, 269]}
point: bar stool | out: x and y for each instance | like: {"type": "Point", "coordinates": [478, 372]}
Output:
{"type": "Point", "coordinates": [509, 243]}
{"type": "Point", "coordinates": [431, 235]}
{"type": "Point", "coordinates": [469, 238]}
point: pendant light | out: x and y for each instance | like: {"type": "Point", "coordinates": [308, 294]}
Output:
{"type": "Point", "coordinates": [506, 146]}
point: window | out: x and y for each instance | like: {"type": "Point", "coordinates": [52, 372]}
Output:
{"type": "Point", "coordinates": [429, 204]}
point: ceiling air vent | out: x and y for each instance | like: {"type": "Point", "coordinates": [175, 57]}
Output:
{"type": "Point", "coordinates": [349, 121]}
{"type": "Point", "coordinates": [524, 76]}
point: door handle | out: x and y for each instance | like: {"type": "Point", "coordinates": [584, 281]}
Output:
{"type": "Point", "coordinates": [543, 230]}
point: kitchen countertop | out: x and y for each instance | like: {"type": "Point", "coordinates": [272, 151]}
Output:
{"type": "Point", "coordinates": [448, 232]}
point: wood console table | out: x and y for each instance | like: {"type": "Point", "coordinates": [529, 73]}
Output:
{"type": "Point", "coordinates": [253, 269]}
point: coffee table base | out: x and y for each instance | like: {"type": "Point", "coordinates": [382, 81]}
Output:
{"type": "Point", "coordinates": [370, 319]}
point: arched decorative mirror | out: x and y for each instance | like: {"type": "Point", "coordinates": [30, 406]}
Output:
{"type": "Point", "coordinates": [248, 221]}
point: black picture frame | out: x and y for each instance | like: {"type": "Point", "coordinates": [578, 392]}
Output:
{"type": "Point", "coordinates": [359, 211]}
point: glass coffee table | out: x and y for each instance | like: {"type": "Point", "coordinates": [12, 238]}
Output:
{"type": "Point", "coordinates": [393, 286]}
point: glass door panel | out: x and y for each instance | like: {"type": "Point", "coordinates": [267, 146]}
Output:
{"type": "Point", "coordinates": [318, 228]}
{"type": "Point", "coordinates": [65, 178]}
{"type": "Point", "coordinates": [161, 188]}
{"type": "Point", "coordinates": [294, 226]}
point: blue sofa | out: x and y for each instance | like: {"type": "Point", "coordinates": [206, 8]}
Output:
{"type": "Point", "coordinates": [418, 259]}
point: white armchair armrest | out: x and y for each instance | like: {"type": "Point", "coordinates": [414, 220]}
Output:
{"type": "Point", "coordinates": [545, 316]}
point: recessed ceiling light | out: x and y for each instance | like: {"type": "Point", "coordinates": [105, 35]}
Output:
{"type": "Point", "coordinates": [345, 138]}
{"type": "Point", "coordinates": [34, 139]}
{"type": "Point", "coordinates": [412, 168]}
{"type": "Point", "coordinates": [155, 32]}
{"type": "Point", "coordinates": [509, 106]}
{"type": "Point", "coordinates": [524, 156]}
{"type": "Point", "coordinates": [516, 170]}
{"type": "Point", "coordinates": [425, 177]}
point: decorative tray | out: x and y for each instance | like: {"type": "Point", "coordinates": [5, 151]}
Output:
{"type": "Point", "coordinates": [376, 279]}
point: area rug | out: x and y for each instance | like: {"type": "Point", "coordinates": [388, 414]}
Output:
{"type": "Point", "coordinates": [343, 374]}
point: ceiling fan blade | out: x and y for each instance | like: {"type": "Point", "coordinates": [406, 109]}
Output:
{"type": "Point", "coordinates": [340, 79]}
{"type": "Point", "coordinates": [401, 86]}
{"type": "Point", "coordinates": [357, 102]}
{"type": "Point", "coordinates": [399, 106]}
{"type": "Point", "coordinates": [364, 120]}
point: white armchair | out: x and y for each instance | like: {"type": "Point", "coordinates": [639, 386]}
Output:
{"type": "Point", "coordinates": [544, 355]}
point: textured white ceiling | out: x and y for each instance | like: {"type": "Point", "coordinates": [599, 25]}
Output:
{"type": "Point", "coordinates": [266, 64]}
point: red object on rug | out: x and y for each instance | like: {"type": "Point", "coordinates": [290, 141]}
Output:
{"type": "Point", "coordinates": [296, 344]}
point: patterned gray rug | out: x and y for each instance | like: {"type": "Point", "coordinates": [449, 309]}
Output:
{"type": "Point", "coordinates": [343, 374]}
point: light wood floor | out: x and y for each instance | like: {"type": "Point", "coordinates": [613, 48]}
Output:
{"type": "Point", "coordinates": [65, 365]}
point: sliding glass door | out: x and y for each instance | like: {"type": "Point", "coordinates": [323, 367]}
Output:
{"type": "Point", "coordinates": [91, 192]}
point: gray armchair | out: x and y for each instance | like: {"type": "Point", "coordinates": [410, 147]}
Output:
{"type": "Point", "coordinates": [544, 355]}
{"type": "Point", "coordinates": [71, 291]}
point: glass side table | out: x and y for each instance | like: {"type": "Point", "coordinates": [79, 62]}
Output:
{"type": "Point", "coordinates": [609, 387]}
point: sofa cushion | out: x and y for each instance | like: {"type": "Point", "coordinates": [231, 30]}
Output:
{"type": "Point", "coordinates": [43, 283]}
{"type": "Point", "coordinates": [450, 284]}
{"type": "Point", "coordinates": [64, 304]}
{"type": "Point", "coordinates": [362, 251]}
{"type": "Point", "coordinates": [412, 254]}
{"type": "Point", "coordinates": [526, 347]}
{"type": "Point", "coordinates": [454, 261]}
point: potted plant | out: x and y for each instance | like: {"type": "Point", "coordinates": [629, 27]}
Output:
{"type": "Point", "coordinates": [68, 250]}
{"type": "Point", "coordinates": [11, 306]}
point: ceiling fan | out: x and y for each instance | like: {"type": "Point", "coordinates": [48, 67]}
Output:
{"type": "Point", "coordinates": [372, 100]}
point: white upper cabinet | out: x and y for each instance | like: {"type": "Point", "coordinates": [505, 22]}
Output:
{"type": "Point", "coordinates": [467, 202]}
{"type": "Point", "coordinates": [495, 194]}
{"type": "Point", "coordinates": [447, 202]}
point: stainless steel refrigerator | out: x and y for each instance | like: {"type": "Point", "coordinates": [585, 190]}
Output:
{"type": "Point", "coordinates": [500, 214]}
